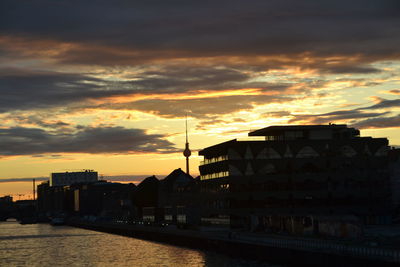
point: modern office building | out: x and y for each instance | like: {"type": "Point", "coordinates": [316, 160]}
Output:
{"type": "Point", "coordinates": [297, 179]}
{"type": "Point", "coordinates": [69, 178]}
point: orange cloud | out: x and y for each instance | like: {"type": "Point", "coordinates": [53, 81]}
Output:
{"type": "Point", "coordinates": [199, 94]}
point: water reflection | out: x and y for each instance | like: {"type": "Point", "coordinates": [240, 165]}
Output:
{"type": "Point", "coordinates": [44, 245]}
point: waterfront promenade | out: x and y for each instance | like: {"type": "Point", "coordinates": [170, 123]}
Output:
{"type": "Point", "coordinates": [269, 246]}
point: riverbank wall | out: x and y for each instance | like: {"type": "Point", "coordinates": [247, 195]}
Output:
{"type": "Point", "coordinates": [277, 249]}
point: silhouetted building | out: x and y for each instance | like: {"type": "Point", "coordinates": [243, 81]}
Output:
{"type": "Point", "coordinates": [6, 199]}
{"type": "Point", "coordinates": [51, 199]}
{"type": "Point", "coordinates": [6, 207]}
{"type": "Point", "coordinates": [53, 195]}
{"type": "Point", "coordinates": [179, 199]}
{"type": "Point", "coordinates": [146, 200]}
{"type": "Point", "coordinates": [394, 156]}
{"type": "Point", "coordinates": [42, 197]}
{"type": "Point", "coordinates": [298, 180]}
{"type": "Point", "coordinates": [102, 199]}
{"type": "Point", "coordinates": [69, 178]}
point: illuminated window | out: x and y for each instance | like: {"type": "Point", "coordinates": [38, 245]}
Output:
{"type": "Point", "coordinates": [214, 175]}
{"type": "Point", "coordinates": [215, 159]}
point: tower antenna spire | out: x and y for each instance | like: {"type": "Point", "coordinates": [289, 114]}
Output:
{"type": "Point", "coordinates": [187, 151]}
{"type": "Point", "coordinates": [186, 130]}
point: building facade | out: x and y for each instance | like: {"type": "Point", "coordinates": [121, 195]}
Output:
{"type": "Point", "coordinates": [179, 199]}
{"type": "Point", "coordinates": [298, 179]}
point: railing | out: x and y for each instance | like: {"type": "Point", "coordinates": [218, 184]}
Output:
{"type": "Point", "coordinates": [360, 251]}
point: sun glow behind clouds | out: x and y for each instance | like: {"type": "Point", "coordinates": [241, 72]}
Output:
{"type": "Point", "coordinates": [182, 96]}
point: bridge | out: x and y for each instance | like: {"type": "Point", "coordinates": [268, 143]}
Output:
{"type": "Point", "coordinates": [19, 210]}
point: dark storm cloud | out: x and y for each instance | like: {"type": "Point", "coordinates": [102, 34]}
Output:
{"type": "Point", "coordinates": [21, 89]}
{"type": "Point", "coordinates": [200, 108]}
{"type": "Point", "coordinates": [385, 103]}
{"type": "Point", "coordinates": [41, 119]}
{"type": "Point", "coordinates": [346, 68]}
{"type": "Point", "coordinates": [29, 141]}
{"type": "Point", "coordinates": [25, 90]}
{"type": "Point", "coordinates": [157, 29]}
{"type": "Point", "coordinates": [384, 122]}
{"type": "Point", "coordinates": [333, 117]}
{"type": "Point", "coordinates": [356, 117]}
{"type": "Point", "coordinates": [183, 47]}
{"type": "Point", "coordinates": [191, 79]}
{"type": "Point", "coordinates": [394, 92]}
{"type": "Point", "coordinates": [181, 79]}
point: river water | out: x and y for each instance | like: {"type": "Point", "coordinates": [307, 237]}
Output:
{"type": "Point", "coordinates": [46, 245]}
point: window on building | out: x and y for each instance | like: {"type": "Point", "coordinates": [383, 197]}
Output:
{"type": "Point", "coordinates": [293, 135]}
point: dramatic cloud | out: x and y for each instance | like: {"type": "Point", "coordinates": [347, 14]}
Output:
{"type": "Point", "coordinates": [194, 24]}
{"type": "Point", "coordinates": [333, 117]}
{"type": "Point", "coordinates": [131, 33]}
{"type": "Point", "coordinates": [23, 90]}
{"type": "Point", "coordinates": [175, 79]}
{"type": "Point", "coordinates": [384, 103]}
{"type": "Point", "coordinates": [200, 108]}
{"type": "Point", "coordinates": [384, 122]}
{"type": "Point", "coordinates": [40, 119]}
{"type": "Point", "coordinates": [28, 90]}
{"type": "Point", "coordinates": [27, 141]}
{"type": "Point", "coordinates": [395, 92]}
{"type": "Point", "coordinates": [357, 117]}
{"type": "Point", "coordinates": [69, 68]}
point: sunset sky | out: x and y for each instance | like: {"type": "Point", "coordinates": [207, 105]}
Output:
{"type": "Point", "coordinates": [106, 85]}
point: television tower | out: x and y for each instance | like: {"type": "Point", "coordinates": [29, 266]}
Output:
{"type": "Point", "coordinates": [187, 151]}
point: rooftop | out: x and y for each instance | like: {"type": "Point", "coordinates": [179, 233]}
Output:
{"type": "Point", "coordinates": [271, 130]}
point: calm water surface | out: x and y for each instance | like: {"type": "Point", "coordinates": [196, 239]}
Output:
{"type": "Point", "coordinates": [46, 245]}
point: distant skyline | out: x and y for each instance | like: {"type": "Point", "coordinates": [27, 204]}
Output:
{"type": "Point", "coordinates": [21, 188]}
{"type": "Point", "coordinates": [106, 85]}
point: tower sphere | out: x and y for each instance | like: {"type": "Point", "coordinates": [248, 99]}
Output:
{"type": "Point", "coordinates": [187, 151]}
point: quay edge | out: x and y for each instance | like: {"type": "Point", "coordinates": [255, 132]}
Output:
{"type": "Point", "coordinates": [275, 254]}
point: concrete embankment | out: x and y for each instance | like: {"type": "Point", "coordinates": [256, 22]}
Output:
{"type": "Point", "coordinates": [272, 248]}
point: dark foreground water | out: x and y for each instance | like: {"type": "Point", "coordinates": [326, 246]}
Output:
{"type": "Point", "coordinates": [46, 245]}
